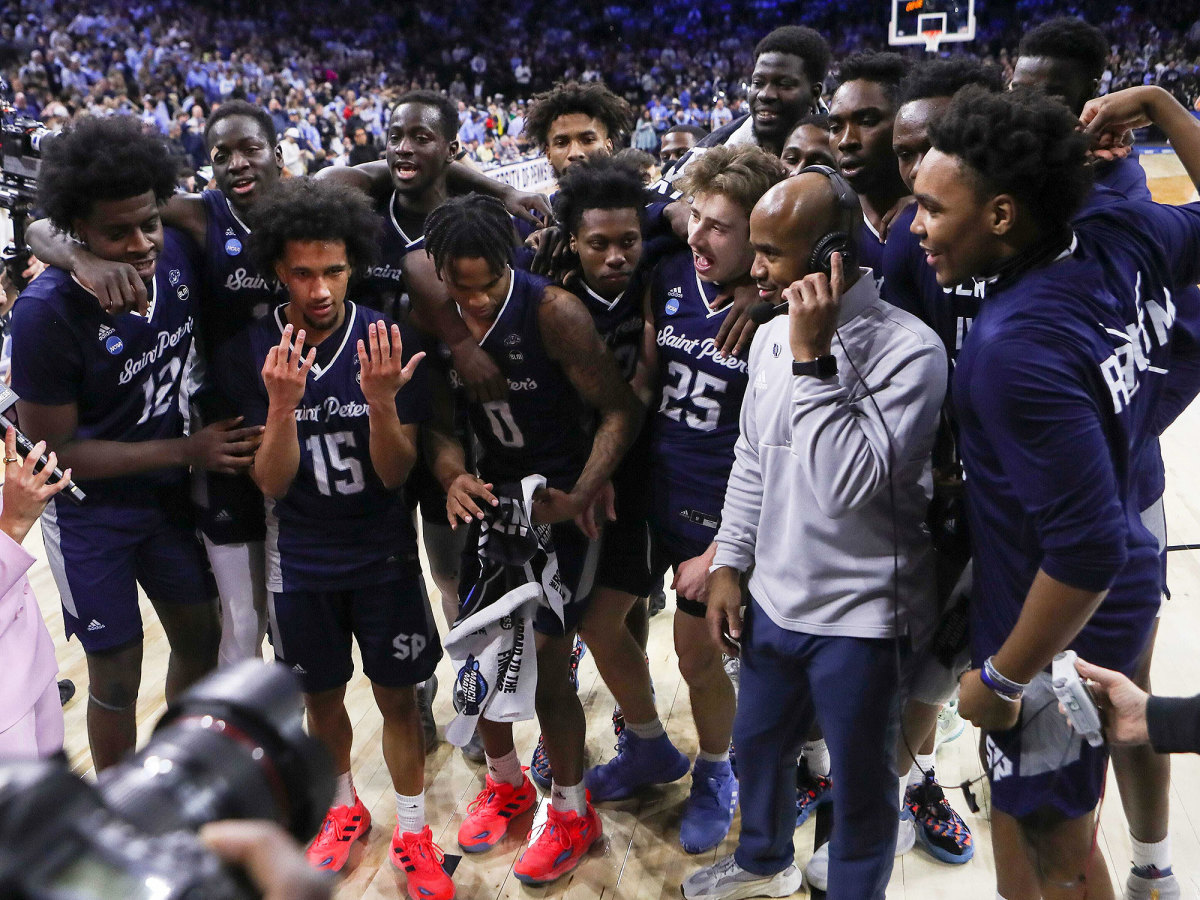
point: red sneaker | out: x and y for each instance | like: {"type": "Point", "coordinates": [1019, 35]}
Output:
{"type": "Point", "coordinates": [490, 812]}
{"type": "Point", "coordinates": [560, 846]}
{"type": "Point", "coordinates": [420, 859]}
{"type": "Point", "coordinates": [343, 826]}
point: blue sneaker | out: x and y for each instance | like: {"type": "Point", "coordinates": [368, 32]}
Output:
{"type": "Point", "coordinates": [578, 652]}
{"type": "Point", "coordinates": [638, 763]}
{"type": "Point", "coordinates": [812, 792]}
{"type": "Point", "coordinates": [708, 812]}
{"type": "Point", "coordinates": [941, 830]}
{"type": "Point", "coordinates": [539, 766]}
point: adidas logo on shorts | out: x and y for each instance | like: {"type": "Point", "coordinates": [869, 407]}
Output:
{"type": "Point", "coordinates": [299, 669]}
{"type": "Point", "coordinates": [223, 516]}
{"type": "Point", "coordinates": [94, 626]}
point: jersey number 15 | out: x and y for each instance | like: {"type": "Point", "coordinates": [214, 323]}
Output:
{"type": "Point", "coordinates": [326, 452]}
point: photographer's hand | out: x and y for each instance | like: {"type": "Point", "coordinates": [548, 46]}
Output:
{"type": "Point", "coordinates": [267, 853]}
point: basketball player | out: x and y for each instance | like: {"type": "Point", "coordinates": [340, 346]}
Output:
{"type": "Point", "coordinates": [861, 113]}
{"type": "Point", "coordinates": [544, 341]}
{"type": "Point", "coordinates": [341, 413]}
{"type": "Point", "coordinates": [1042, 366]}
{"type": "Point", "coordinates": [677, 141]}
{"type": "Point", "coordinates": [808, 145]}
{"type": "Point", "coordinates": [246, 162]}
{"type": "Point", "coordinates": [1065, 57]}
{"type": "Point", "coordinates": [103, 390]}
{"type": "Point", "coordinates": [695, 397]}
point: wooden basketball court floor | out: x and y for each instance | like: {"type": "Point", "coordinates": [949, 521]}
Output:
{"type": "Point", "coordinates": [640, 855]}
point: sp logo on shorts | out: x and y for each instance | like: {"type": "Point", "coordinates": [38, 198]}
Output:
{"type": "Point", "coordinates": [409, 646]}
{"type": "Point", "coordinates": [470, 688]}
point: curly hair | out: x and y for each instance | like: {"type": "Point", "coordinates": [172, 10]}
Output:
{"type": "Point", "coordinates": [1021, 143]}
{"type": "Point", "coordinates": [742, 172]}
{"type": "Point", "coordinates": [101, 159]}
{"type": "Point", "coordinates": [468, 227]}
{"type": "Point", "coordinates": [1071, 39]}
{"type": "Point", "coordinates": [307, 209]}
{"type": "Point", "coordinates": [603, 183]}
{"type": "Point", "coordinates": [884, 69]}
{"type": "Point", "coordinates": [945, 77]}
{"type": "Point", "coordinates": [797, 40]}
{"type": "Point", "coordinates": [241, 108]}
{"type": "Point", "coordinates": [447, 111]}
{"type": "Point", "coordinates": [591, 99]}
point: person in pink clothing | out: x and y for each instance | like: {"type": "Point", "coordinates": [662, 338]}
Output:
{"type": "Point", "coordinates": [31, 718]}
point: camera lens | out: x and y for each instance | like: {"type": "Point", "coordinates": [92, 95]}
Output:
{"type": "Point", "coordinates": [232, 748]}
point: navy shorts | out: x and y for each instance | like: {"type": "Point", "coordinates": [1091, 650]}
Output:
{"type": "Point", "coordinates": [577, 560]}
{"type": "Point", "coordinates": [1043, 763]}
{"type": "Point", "coordinates": [311, 632]}
{"type": "Point", "coordinates": [101, 552]}
{"type": "Point", "coordinates": [669, 552]}
{"type": "Point", "coordinates": [229, 508]}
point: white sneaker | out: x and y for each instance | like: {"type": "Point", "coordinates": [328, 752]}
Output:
{"type": "Point", "coordinates": [950, 725]}
{"type": "Point", "coordinates": [816, 873]}
{"type": "Point", "coordinates": [726, 880]}
{"type": "Point", "coordinates": [906, 837]}
{"type": "Point", "coordinates": [1164, 887]}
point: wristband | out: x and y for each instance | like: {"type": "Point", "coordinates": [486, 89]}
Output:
{"type": "Point", "coordinates": [998, 684]}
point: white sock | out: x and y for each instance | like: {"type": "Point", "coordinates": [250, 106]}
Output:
{"type": "Point", "coordinates": [506, 768]}
{"type": "Point", "coordinates": [903, 790]}
{"type": "Point", "coordinates": [569, 799]}
{"type": "Point", "coordinates": [410, 812]}
{"type": "Point", "coordinates": [713, 757]}
{"type": "Point", "coordinates": [343, 791]}
{"type": "Point", "coordinates": [817, 754]}
{"type": "Point", "coordinates": [647, 731]}
{"type": "Point", "coordinates": [1157, 854]}
{"type": "Point", "coordinates": [924, 763]}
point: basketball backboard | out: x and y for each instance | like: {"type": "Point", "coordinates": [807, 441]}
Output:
{"type": "Point", "coordinates": [931, 22]}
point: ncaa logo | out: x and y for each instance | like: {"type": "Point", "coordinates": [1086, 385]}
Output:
{"type": "Point", "coordinates": [114, 345]}
{"type": "Point", "coordinates": [233, 247]}
{"type": "Point", "coordinates": [672, 306]}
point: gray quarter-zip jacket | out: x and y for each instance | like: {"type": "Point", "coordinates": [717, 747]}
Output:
{"type": "Point", "coordinates": [829, 489]}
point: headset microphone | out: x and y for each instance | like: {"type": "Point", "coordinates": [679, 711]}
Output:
{"type": "Point", "coordinates": [762, 313]}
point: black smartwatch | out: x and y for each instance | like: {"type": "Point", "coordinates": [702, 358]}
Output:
{"type": "Point", "coordinates": [821, 367]}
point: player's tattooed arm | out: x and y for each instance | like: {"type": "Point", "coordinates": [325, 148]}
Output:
{"type": "Point", "coordinates": [393, 444]}
{"type": "Point", "coordinates": [571, 339]}
{"type": "Point", "coordinates": [284, 375]}
{"type": "Point", "coordinates": [117, 285]}
{"type": "Point", "coordinates": [465, 492]}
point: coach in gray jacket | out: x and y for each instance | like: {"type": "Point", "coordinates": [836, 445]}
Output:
{"type": "Point", "coordinates": [825, 508]}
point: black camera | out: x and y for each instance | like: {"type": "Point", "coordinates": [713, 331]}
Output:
{"type": "Point", "coordinates": [233, 747]}
{"type": "Point", "coordinates": [21, 142]}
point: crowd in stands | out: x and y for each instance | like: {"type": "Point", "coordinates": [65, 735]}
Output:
{"type": "Point", "coordinates": [327, 81]}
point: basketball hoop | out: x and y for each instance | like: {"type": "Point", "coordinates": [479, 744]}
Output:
{"type": "Point", "coordinates": [932, 38]}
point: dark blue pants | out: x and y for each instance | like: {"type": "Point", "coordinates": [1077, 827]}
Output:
{"type": "Point", "coordinates": [849, 686]}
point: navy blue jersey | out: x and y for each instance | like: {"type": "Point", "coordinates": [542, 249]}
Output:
{"type": "Point", "coordinates": [400, 232]}
{"type": "Point", "coordinates": [1049, 405]}
{"type": "Point", "coordinates": [236, 292]}
{"type": "Point", "coordinates": [1151, 259]}
{"type": "Point", "coordinates": [122, 372]}
{"type": "Point", "coordinates": [619, 321]}
{"type": "Point", "coordinates": [540, 428]}
{"type": "Point", "coordinates": [696, 422]}
{"type": "Point", "coordinates": [337, 527]}
{"type": "Point", "coordinates": [1125, 176]}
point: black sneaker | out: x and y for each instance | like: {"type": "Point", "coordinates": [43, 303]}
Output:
{"type": "Point", "coordinates": [66, 690]}
{"type": "Point", "coordinates": [940, 830]}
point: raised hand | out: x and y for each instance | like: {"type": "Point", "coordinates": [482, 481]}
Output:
{"type": "Point", "coordinates": [381, 364]}
{"type": "Point", "coordinates": [285, 371]}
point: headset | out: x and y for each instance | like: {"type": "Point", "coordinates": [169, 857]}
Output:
{"type": "Point", "coordinates": [844, 240]}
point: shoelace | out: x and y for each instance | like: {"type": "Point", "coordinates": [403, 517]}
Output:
{"type": "Point", "coordinates": [332, 824]}
{"type": "Point", "coordinates": [481, 800]}
{"type": "Point", "coordinates": [428, 849]}
{"type": "Point", "coordinates": [552, 829]}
